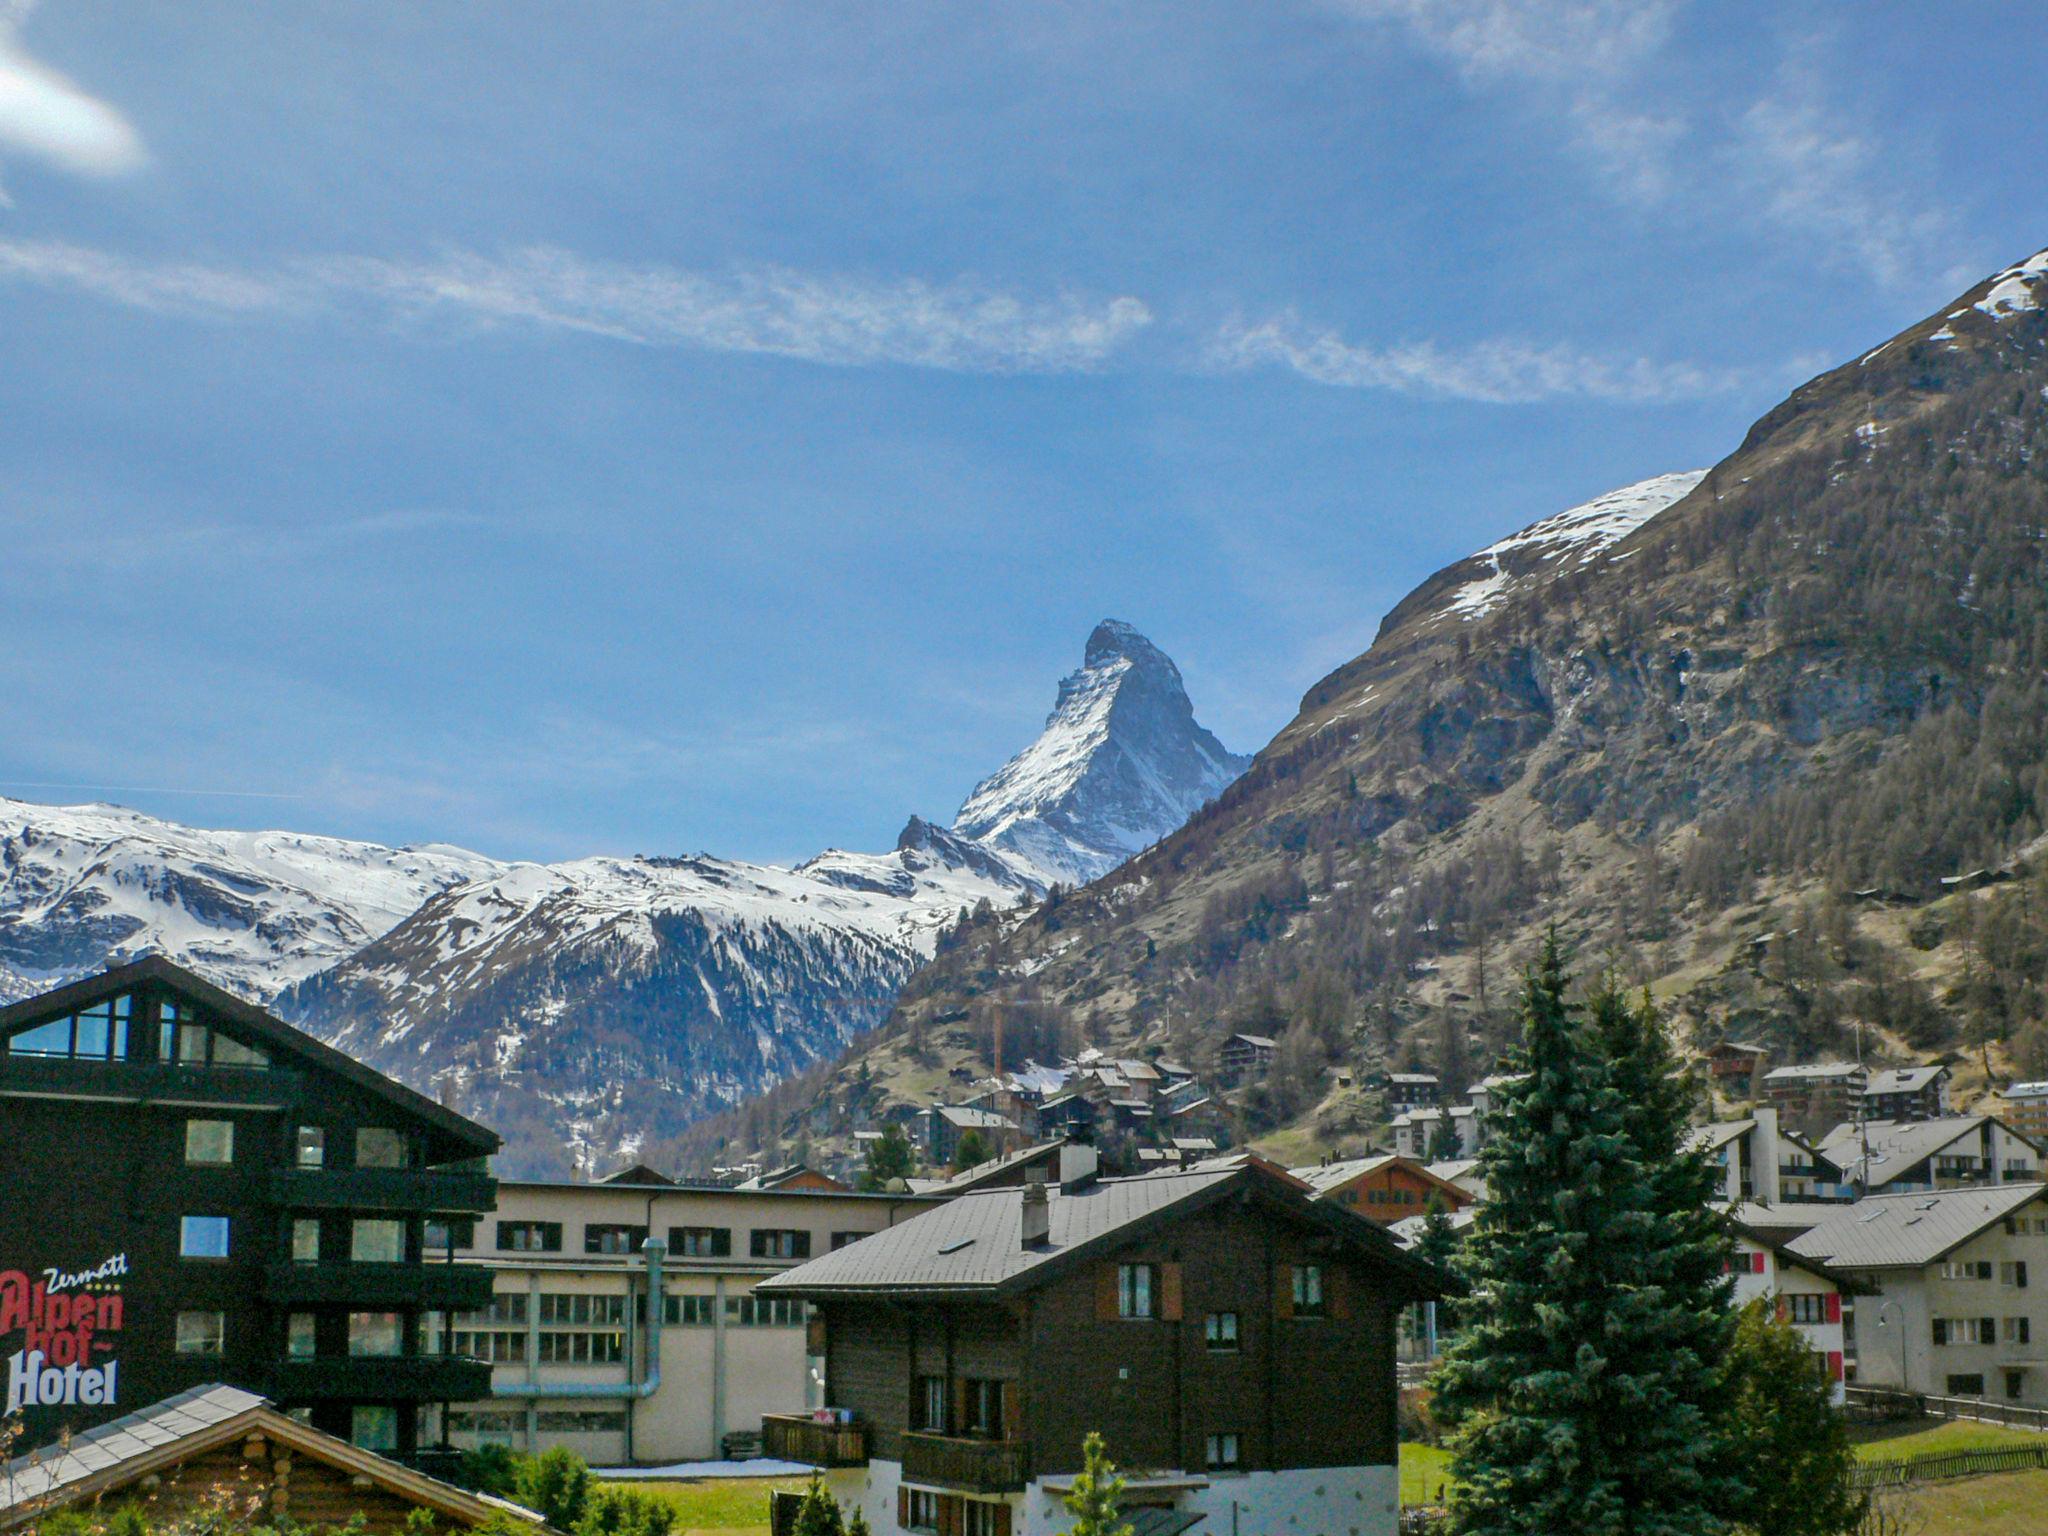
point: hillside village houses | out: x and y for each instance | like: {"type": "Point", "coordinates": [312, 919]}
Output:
{"type": "Point", "coordinates": [2024, 1107]}
{"type": "Point", "coordinates": [1887, 1157]}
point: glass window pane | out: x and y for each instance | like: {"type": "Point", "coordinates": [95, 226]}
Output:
{"type": "Point", "coordinates": [95, 1030]}
{"type": "Point", "coordinates": [210, 1141]}
{"type": "Point", "coordinates": [192, 1045]}
{"type": "Point", "coordinates": [378, 1242]}
{"type": "Point", "coordinates": [312, 1147]}
{"type": "Point", "coordinates": [228, 1052]}
{"type": "Point", "coordinates": [306, 1240]}
{"type": "Point", "coordinates": [51, 1039]}
{"type": "Point", "coordinates": [377, 1147]}
{"type": "Point", "coordinates": [304, 1342]}
{"type": "Point", "coordinates": [203, 1237]}
{"type": "Point", "coordinates": [375, 1333]}
{"type": "Point", "coordinates": [201, 1333]}
{"type": "Point", "coordinates": [374, 1427]}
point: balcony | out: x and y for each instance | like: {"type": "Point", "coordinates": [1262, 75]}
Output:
{"type": "Point", "coordinates": [374, 1379]}
{"type": "Point", "coordinates": [796, 1437]}
{"type": "Point", "coordinates": [437, 1287]}
{"type": "Point", "coordinates": [383, 1189]}
{"type": "Point", "coordinates": [971, 1466]}
{"type": "Point", "coordinates": [152, 1082]}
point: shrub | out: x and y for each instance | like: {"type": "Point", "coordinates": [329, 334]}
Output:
{"type": "Point", "coordinates": [556, 1486]}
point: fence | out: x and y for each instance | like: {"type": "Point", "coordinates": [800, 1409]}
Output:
{"type": "Point", "coordinates": [1880, 1403]}
{"type": "Point", "coordinates": [1940, 1466]}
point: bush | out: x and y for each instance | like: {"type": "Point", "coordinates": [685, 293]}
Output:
{"type": "Point", "coordinates": [491, 1469]}
{"type": "Point", "coordinates": [626, 1512]}
{"type": "Point", "coordinates": [556, 1486]}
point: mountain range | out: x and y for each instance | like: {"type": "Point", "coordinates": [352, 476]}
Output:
{"type": "Point", "coordinates": [586, 1006]}
{"type": "Point", "coordinates": [1770, 738]}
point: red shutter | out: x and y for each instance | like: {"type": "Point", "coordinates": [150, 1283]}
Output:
{"type": "Point", "coordinates": [1003, 1519]}
{"type": "Point", "coordinates": [902, 1508]}
{"type": "Point", "coordinates": [1013, 1415]}
{"type": "Point", "coordinates": [1283, 1292]}
{"type": "Point", "coordinates": [960, 1422]}
{"type": "Point", "coordinates": [1834, 1365]}
{"type": "Point", "coordinates": [1756, 1262]}
{"type": "Point", "coordinates": [1784, 1309]}
{"type": "Point", "coordinates": [1169, 1293]}
{"type": "Point", "coordinates": [1336, 1294]}
{"type": "Point", "coordinates": [1105, 1294]}
{"type": "Point", "coordinates": [1835, 1311]}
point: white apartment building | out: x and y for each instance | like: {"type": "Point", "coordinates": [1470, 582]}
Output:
{"type": "Point", "coordinates": [1760, 1159]}
{"type": "Point", "coordinates": [1956, 1311]}
{"type": "Point", "coordinates": [1958, 1152]}
{"type": "Point", "coordinates": [1804, 1293]}
{"type": "Point", "coordinates": [578, 1361]}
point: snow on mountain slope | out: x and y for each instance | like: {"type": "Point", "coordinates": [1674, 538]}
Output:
{"type": "Point", "coordinates": [1565, 541]}
{"type": "Point", "coordinates": [1121, 763]}
{"type": "Point", "coordinates": [87, 885]}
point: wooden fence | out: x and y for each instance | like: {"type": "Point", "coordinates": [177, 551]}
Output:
{"type": "Point", "coordinates": [1939, 1466]}
{"type": "Point", "coordinates": [1881, 1403]}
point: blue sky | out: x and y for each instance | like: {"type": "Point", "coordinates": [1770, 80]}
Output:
{"type": "Point", "coordinates": [608, 428]}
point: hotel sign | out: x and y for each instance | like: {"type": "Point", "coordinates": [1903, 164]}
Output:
{"type": "Point", "coordinates": [70, 1326]}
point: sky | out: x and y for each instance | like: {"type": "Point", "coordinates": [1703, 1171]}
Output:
{"type": "Point", "coordinates": [645, 428]}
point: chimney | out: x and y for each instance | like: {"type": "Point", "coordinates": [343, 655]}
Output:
{"type": "Point", "coordinates": [1080, 1164]}
{"type": "Point", "coordinates": [1037, 1225]}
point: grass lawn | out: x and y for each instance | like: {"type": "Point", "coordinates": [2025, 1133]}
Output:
{"type": "Point", "coordinates": [1917, 1437]}
{"type": "Point", "coordinates": [2005, 1504]}
{"type": "Point", "coordinates": [1424, 1469]}
{"type": "Point", "coordinates": [738, 1505]}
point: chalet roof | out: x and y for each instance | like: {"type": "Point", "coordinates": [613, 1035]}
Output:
{"type": "Point", "coordinates": [477, 1140]}
{"type": "Point", "coordinates": [1325, 1177]}
{"type": "Point", "coordinates": [1712, 1138]}
{"type": "Point", "coordinates": [1173, 1068]}
{"type": "Point", "coordinates": [1780, 1244]}
{"type": "Point", "coordinates": [167, 1433]}
{"type": "Point", "coordinates": [1904, 1079]}
{"type": "Point", "coordinates": [972, 1178]}
{"type": "Point", "coordinates": [1452, 1169]}
{"type": "Point", "coordinates": [1813, 1070]}
{"type": "Point", "coordinates": [1260, 1041]}
{"type": "Point", "coordinates": [1744, 1046]}
{"type": "Point", "coordinates": [1898, 1146]}
{"type": "Point", "coordinates": [970, 1119]}
{"type": "Point", "coordinates": [1784, 1218]}
{"type": "Point", "coordinates": [1408, 1230]}
{"type": "Point", "coordinates": [1909, 1231]}
{"type": "Point", "coordinates": [1415, 1079]}
{"type": "Point", "coordinates": [971, 1245]}
{"type": "Point", "coordinates": [637, 1173]}
{"type": "Point", "coordinates": [1194, 1143]}
{"type": "Point", "coordinates": [2027, 1091]}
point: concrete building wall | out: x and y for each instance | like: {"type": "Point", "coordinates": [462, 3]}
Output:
{"type": "Point", "coordinates": [2013, 1370]}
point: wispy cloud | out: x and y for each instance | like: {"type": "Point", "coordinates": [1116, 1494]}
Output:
{"type": "Point", "coordinates": [959, 326]}
{"type": "Point", "coordinates": [1495, 371]}
{"type": "Point", "coordinates": [47, 117]}
{"type": "Point", "coordinates": [1788, 162]}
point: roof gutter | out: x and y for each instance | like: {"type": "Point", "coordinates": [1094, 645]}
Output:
{"type": "Point", "coordinates": [649, 1383]}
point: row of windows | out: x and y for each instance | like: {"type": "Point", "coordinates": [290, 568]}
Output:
{"type": "Point", "coordinates": [678, 1311]}
{"type": "Point", "coordinates": [1139, 1295]}
{"type": "Point", "coordinates": [372, 1240]}
{"type": "Point", "coordinates": [374, 1335]}
{"type": "Point", "coordinates": [1982, 1330]}
{"type": "Point", "coordinates": [549, 1421]}
{"type": "Point", "coordinates": [211, 1144]}
{"type": "Point", "coordinates": [622, 1238]}
{"type": "Point", "coordinates": [2012, 1272]}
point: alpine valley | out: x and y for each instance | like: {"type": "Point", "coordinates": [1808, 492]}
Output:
{"type": "Point", "coordinates": [589, 1008]}
{"type": "Point", "coordinates": [1772, 738]}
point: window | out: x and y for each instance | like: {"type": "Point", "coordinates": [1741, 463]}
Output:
{"type": "Point", "coordinates": [2019, 1330]}
{"type": "Point", "coordinates": [446, 1235]}
{"type": "Point", "coordinates": [1807, 1308]}
{"type": "Point", "coordinates": [1221, 1452]}
{"type": "Point", "coordinates": [582, 1421]}
{"type": "Point", "coordinates": [203, 1237]}
{"type": "Point", "coordinates": [764, 1312]}
{"type": "Point", "coordinates": [1966, 1269]}
{"type": "Point", "coordinates": [302, 1337]}
{"type": "Point", "coordinates": [612, 1237]}
{"type": "Point", "coordinates": [379, 1147]}
{"type": "Point", "coordinates": [984, 1408]}
{"type": "Point", "coordinates": [843, 1239]}
{"type": "Point", "coordinates": [979, 1517]}
{"type": "Point", "coordinates": [2015, 1385]}
{"type": "Point", "coordinates": [582, 1348]}
{"type": "Point", "coordinates": [2014, 1274]}
{"type": "Point", "coordinates": [1965, 1330]}
{"type": "Point", "coordinates": [210, 1143]}
{"type": "Point", "coordinates": [230, 1052]}
{"type": "Point", "coordinates": [690, 1311]}
{"type": "Point", "coordinates": [1137, 1286]}
{"type": "Point", "coordinates": [433, 1333]}
{"type": "Point", "coordinates": [700, 1242]}
{"type": "Point", "coordinates": [1219, 1331]}
{"type": "Point", "coordinates": [505, 1307]}
{"type": "Point", "coordinates": [182, 1039]}
{"type": "Point", "coordinates": [780, 1243]}
{"type": "Point", "coordinates": [312, 1151]}
{"type": "Point", "coordinates": [306, 1240]}
{"type": "Point", "coordinates": [1966, 1386]}
{"type": "Point", "coordinates": [920, 1509]}
{"type": "Point", "coordinates": [377, 1241]}
{"type": "Point", "coordinates": [582, 1309]}
{"type": "Point", "coordinates": [373, 1427]}
{"type": "Point", "coordinates": [931, 1404]}
{"type": "Point", "coordinates": [97, 1033]}
{"type": "Point", "coordinates": [377, 1334]}
{"type": "Point", "coordinates": [202, 1333]}
{"type": "Point", "coordinates": [1308, 1290]}
{"type": "Point", "coordinates": [529, 1237]}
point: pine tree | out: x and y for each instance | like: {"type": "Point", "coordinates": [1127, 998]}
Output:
{"type": "Point", "coordinates": [818, 1515]}
{"type": "Point", "coordinates": [1439, 1245]}
{"type": "Point", "coordinates": [1573, 1387]}
{"type": "Point", "coordinates": [1097, 1493]}
{"type": "Point", "coordinates": [888, 1159]}
{"type": "Point", "coordinates": [1780, 1425]}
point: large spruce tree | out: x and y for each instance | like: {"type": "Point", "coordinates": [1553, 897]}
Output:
{"type": "Point", "coordinates": [1581, 1383]}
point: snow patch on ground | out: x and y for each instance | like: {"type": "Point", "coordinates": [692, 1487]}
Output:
{"type": "Point", "coordinates": [2012, 291]}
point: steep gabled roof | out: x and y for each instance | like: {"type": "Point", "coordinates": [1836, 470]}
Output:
{"type": "Point", "coordinates": [1904, 1079]}
{"type": "Point", "coordinates": [1899, 1146]}
{"type": "Point", "coordinates": [1815, 1070]}
{"type": "Point", "coordinates": [164, 1435]}
{"type": "Point", "coordinates": [1326, 1177]}
{"type": "Point", "coordinates": [971, 1245]}
{"type": "Point", "coordinates": [1909, 1231]}
{"type": "Point", "coordinates": [264, 1026]}
{"type": "Point", "coordinates": [1712, 1138]}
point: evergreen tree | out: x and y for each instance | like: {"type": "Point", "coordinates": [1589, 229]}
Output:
{"type": "Point", "coordinates": [1439, 1245]}
{"type": "Point", "coordinates": [888, 1159]}
{"type": "Point", "coordinates": [556, 1486]}
{"type": "Point", "coordinates": [1097, 1494]}
{"type": "Point", "coordinates": [818, 1515]}
{"type": "Point", "coordinates": [1780, 1425]}
{"type": "Point", "coordinates": [971, 1151]}
{"type": "Point", "coordinates": [1443, 1143]}
{"type": "Point", "coordinates": [1575, 1395]}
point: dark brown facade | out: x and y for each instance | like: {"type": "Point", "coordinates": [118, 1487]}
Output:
{"type": "Point", "coordinates": [195, 1192]}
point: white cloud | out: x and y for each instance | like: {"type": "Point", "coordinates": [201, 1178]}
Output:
{"type": "Point", "coordinates": [848, 321]}
{"type": "Point", "coordinates": [1498, 371]}
{"type": "Point", "coordinates": [46, 116]}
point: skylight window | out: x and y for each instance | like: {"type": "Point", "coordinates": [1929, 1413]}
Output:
{"type": "Point", "coordinates": [956, 1245]}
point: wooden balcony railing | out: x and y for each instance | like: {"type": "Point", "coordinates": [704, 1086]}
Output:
{"type": "Point", "coordinates": [797, 1437]}
{"type": "Point", "coordinates": [972, 1466]}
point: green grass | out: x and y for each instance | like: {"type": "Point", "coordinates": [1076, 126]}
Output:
{"type": "Point", "coordinates": [2005, 1504]}
{"type": "Point", "coordinates": [734, 1504]}
{"type": "Point", "coordinates": [1897, 1442]}
{"type": "Point", "coordinates": [1424, 1469]}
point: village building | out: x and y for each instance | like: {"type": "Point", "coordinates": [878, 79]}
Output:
{"type": "Point", "coordinates": [1756, 1158]}
{"type": "Point", "coordinates": [1408, 1091]}
{"type": "Point", "coordinates": [1465, 1172]}
{"type": "Point", "coordinates": [576, 1358]}
{"type": "Point", "coordinates": [1425, 1135]}
{"type": "Point", "coordinates": [947, 1125]}
{"type": "Point", "coordinates": [1232, 1338]}
{"type": "Point", "coordinates": [1815, 1095]}
{"type": "Point", "coordinates": [185, 1458]}
{"type": "Point", "coordinates": [2024, 1107]}
{"type": "Point", "coordinates": [1889, 1157]}
{"type": "Point", "coordinates": [1732, 1066]}
{"type": "Point", "coordinates": [199, 1193]}
{"type": "Point", "coordinates": [1385, 1189]}
{"type": "Point", "coordinates": [1949, 1307]}
{"type": "Point", "coordinates": [1245, 1057]}
{"type": "Point", "coordinates": [1802, 1292]}
{"type": "Point", "coordinates": [1908, 1093]}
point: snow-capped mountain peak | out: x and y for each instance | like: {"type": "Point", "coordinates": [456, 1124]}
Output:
{"type": "Point", "coordinates": [1121, 762]}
